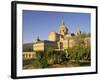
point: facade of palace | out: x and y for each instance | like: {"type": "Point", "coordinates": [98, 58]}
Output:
{"type": "Point", "coordinates": [44, 45]}
{"type": "Point", "coordinates": [60, 40]}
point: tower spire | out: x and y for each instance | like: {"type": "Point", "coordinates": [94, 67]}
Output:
{"type": "Point", "coordinates": [63, 29]}
{"type": "Point", "coordinates": [38, 39]}
{"type": "Point", "coordinates": [62, 23]}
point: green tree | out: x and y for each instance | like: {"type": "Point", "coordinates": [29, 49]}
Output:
{"type": "Point", "coordinates": [41, 59]}
{"type": "Point", "coordinates": [27, 50]}
{"type": "Point", "coordinates": [79, 53]}
{"type": "Point", "coordinates": [55, 57]}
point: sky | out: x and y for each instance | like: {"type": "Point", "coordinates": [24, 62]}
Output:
{"type": "Point", "coordinates": [41, 23]}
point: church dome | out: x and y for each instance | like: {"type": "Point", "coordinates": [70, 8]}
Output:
{"type": "Point", "coordinates": [63, 29]}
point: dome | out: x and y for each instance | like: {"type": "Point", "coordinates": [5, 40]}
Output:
{"type": "Point", "coordinates": [63, 28]}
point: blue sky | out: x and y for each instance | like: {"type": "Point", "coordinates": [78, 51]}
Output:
{"type": "Point", "coordinates": [40, 23]}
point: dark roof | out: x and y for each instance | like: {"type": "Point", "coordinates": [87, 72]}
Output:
{"type": "Point", "coordinates": [45, 41]}
{"type": "Point", "coordinates": [72, 34]}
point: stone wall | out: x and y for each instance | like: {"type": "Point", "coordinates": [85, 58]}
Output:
{"type": "Point", "coordinates": [29, 55]}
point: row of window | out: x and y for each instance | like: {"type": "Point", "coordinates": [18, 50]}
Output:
{"type": "Point", "coordinates": [28, 56]}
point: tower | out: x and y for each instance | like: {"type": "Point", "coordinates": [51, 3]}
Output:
{"type": "Point", "coordinates": [53, 36]}
{"type": "Point", "coordinates": [78, 32]}
{"type": "Point", "coordinates": [63, 30]}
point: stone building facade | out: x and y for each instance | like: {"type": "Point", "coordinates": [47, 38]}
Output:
{"type": "Point", "coordinates": [60, 40]}
{"type": "Point", "coordinates": [44, 45]}
{"type": "Point", "coordinates": [28, 55]}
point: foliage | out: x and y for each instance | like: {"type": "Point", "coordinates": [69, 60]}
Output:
{"type": "Point", "coordinates": [37, 64]}
{"type": "Point", "coordinates": [56, 56]}
{"type": "Point", "coordinates": [27, 49]}
{"type": "Point", "coordinates": [83, 35]}
{"type": "Point", "coordinates": [79, 53]}
{"type": "Point", "coordinates": [41, 59]}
